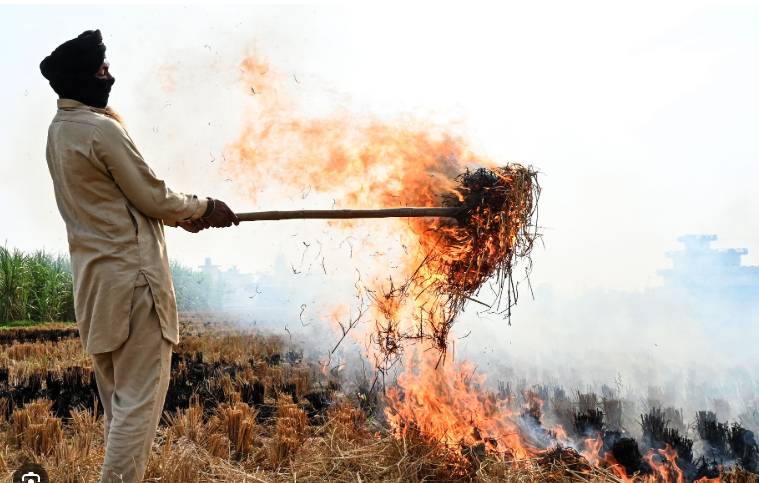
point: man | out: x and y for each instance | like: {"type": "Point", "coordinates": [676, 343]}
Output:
{"type": "Point", "coordinates": [115, 208]}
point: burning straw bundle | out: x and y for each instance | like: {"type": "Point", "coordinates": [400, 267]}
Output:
{"type": "Point", "coordinates": [495, 226]}
{"type": "Point", "coordinates": [488, 222]}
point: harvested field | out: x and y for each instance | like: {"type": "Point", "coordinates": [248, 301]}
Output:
{"type": "Point", "coordinates": [246, 406]}
{"type": "Point", "coordinates": [52, 331]}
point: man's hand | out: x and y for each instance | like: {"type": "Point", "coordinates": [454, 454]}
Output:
{"type": "Point", "coordinates": [218, 215]}
{"type": "Point", "coordinates": [193, 226]}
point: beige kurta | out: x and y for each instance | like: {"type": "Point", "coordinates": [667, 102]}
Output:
{"type": "Point", "coordinates": [114, 208]}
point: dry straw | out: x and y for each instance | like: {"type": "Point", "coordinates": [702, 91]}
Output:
{"type": "Point", "coordinates": [497, 227]}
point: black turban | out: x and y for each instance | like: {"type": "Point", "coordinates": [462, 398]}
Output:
{"type": "Point", "coordinates": [71, 69]}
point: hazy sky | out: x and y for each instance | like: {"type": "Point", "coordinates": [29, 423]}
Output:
{"type": "Point", "coordinates": [642, 117]}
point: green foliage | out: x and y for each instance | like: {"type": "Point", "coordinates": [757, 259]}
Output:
{"type": "Point", "coordinates": [13, 285]}
{"type": "Point", "coordinates": [193, 288]}
{"type": "Point", "coordinates": [51, 297]}
{"type": "Point", "coordinates": [39, 287]}
{"type": "Point", "coordinates": [35, 287]}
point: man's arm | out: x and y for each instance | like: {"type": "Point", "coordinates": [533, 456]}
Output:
{"type": "Point", "coordinates": [149, 194]}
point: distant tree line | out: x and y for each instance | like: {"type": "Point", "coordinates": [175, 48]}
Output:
{"type": "Point", "coordinates": [38, 287]}
{"type": "Point", "coordinates": [194, 289]}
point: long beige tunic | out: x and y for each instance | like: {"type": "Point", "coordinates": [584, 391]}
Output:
{"type": "Point", "coordinates": [114, 208]}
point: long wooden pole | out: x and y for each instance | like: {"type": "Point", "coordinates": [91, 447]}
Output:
{"type": "Point", "coordinates": [346, 214]}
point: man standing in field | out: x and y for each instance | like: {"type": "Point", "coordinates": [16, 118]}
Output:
{"type": "Point", "coordinates": [115, 208]}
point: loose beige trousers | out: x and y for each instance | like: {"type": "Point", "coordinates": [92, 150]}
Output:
{"type": "Point", "coordinates": [132, 381]}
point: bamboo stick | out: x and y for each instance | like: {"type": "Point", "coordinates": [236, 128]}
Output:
{"type": "Point", "coordinates": [443, 212]}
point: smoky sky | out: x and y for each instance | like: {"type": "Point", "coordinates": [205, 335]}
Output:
{"type": "Point", "coordinates": [639, 117]}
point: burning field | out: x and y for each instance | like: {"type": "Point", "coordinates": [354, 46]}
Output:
{"type": "Point", "coordinates": [248, 406]}
{"type": "Point", "coordinates": [477, 261]}
{"type": "Point", "coordinates": [245, 406]}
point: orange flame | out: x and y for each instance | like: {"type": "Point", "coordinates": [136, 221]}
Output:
{"type": "Point", "coordinates": [592, 451]}
{"type": "Point", "coordinates": [561, 433]}
{"type": "Point", "coordinates": [664, 464]}
{"type": "Point", "coordinates": [351, 161]}
{"type": "Point", "coordinates": [348, 161]}
{"type": "Point", "coordinates": [357, 162]}
{"type": "Point", "coordinates": [616, 468]}
{"type": "Point", "coordinates": [364, 162]}
{"type": "Point", "coordinates": [446, 404]}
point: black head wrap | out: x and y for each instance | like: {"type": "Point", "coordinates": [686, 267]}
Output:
{"type": "Point", "coordinates": [71, 70]}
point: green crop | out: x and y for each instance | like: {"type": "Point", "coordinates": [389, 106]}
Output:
{"type": "Point", "coordinates": [39, 287]}
{"type": "Point", "coordinates": [35, 286]}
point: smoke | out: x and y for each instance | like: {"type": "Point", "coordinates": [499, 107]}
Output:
{"type": "Point", "coordinates": [660, 346]}
{"type": "Point", "coordinates": [610, 168]}
{"type": "Point", "coordinates": [190, 103]}
{"type": "Point", "coordinates": [684, 349]}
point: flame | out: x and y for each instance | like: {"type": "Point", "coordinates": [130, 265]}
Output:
{"type": "Point", "coordinates": [664, 464]}
{"type": "Point", "coordinates": [592, 451]}
{"type": "Point", "coordinates": [365, 162]}
{"type": "Point", "coordinates": [560, 432]}
{"type": "Point", "coordinates": [616, 468]}
{"type": "Point", "coordinates": [360, 162]}
{"type": "Point", "coordinates": [350, 161]}
{"type": "Point", "coordinates": [446, 403]}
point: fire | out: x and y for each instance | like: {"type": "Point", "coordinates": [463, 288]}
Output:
{"type": "Point", "coordinates": [356, 162]}
{"type": "Point", "coordinates": [617, 469]}
{"type": "Point", "coordinates": [592, 451]}
{"type": "Point", "coordinates": [447, 404]}
{"type": "Point", "coordinates": [560, 432]}
{"type": "Point", "coordinates": [365, 162]}
{"type": "Point", "coordinates": [664, 465]}
{"type": "Point", "coordinates": [348, 161]}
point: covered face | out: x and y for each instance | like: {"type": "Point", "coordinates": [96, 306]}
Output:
{"type": "Point", "coordinates": [73, 68]}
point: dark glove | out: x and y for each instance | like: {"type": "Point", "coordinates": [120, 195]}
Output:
{"type": "Point", "coordinates": [217, 215]}
{"type": "Point", "coordinates": [193, 226]}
